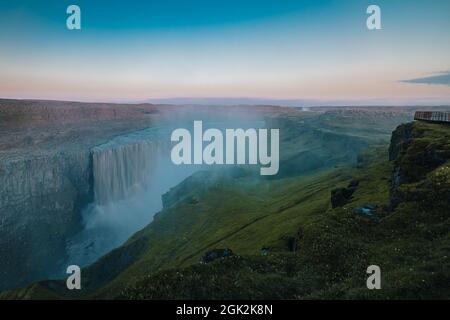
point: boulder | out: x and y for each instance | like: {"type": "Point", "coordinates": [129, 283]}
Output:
{"type": "Point", "coordinates": [215, 254]}
{"type": "Point", "coordinates": [341, 196]}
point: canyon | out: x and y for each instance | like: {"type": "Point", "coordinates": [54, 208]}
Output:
{"type": "Point", "coordinates": [79, 179]}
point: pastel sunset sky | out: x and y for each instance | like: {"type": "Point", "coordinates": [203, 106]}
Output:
{"type": "Point", "coordinates": [318, 51]}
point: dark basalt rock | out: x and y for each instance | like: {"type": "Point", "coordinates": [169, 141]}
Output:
{"type": "Point", "coordinates": [341, 196]}
{"type": "Point", "coordinates": [215, 254]}
{"type": "Point", "coordinates": [399, 138]}
{"type": "Point", "coordinates": [293, 242]}
{"type": "Point", "coordinates": [414, 155]}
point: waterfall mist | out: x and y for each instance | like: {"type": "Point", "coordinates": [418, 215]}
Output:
{"type": "Point", "coordinates": [129, 180]}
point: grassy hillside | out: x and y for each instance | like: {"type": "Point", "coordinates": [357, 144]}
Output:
{"type": "Point", "coordinates": [330, 244]}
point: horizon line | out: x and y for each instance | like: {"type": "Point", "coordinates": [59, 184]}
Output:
{"type": "Point", "coordinates": [246, 101]}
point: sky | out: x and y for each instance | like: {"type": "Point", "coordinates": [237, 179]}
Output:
{"type": "Point", "coordinates": [300, 52]}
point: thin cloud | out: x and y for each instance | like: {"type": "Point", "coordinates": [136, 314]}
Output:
{"type": "Point", "coordinates": [442, 78]}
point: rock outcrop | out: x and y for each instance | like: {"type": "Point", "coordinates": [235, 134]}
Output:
{"type": "Point", "coordinates": [341, 196]}
{"type": "Point", "coordinates": [415, 150]}
{"type": "Point", "coordinates": [215, 254]}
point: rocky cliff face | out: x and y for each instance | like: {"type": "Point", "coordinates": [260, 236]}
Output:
{"type": "Point", "coordinates": [40, 203]}
{"type": "Point", "coordinates": [56, 157]}
{"type": "Point", "coordinates": [416, 149]}
{"type": "Point", "coordinates": [42, 199]}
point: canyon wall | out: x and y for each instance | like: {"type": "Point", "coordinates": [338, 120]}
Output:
{"type": "Point", "coordinates": [40, 203]}
{"type": "Point", "coordinates": [42, 199]}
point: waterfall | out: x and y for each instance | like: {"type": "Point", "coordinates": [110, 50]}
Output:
{"type": "Point", "coordinates": [121, 171]}
{"type": "Point", "coordinates": [130, 174]}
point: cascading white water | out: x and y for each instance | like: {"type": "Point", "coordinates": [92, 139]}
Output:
{"type": "Point", "coordinates": [122, 171]}
{"type": "Point", "coordinates": [130, 174]}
